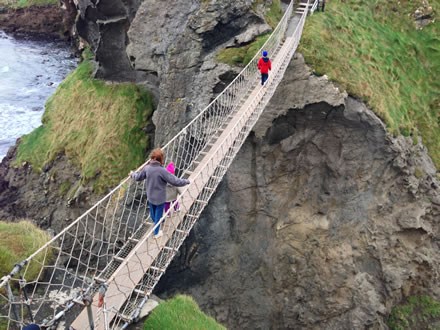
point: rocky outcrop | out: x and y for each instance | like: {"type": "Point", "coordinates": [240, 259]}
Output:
{"type": "Point", "coordinates": [46, 22]}
{"type": "Point", "coordinates": [423, 15]}
{"type": "Point", "coordinates": [323, 221]}
{"type": "Point", "coordinates": [170, 47]}
{"type": "Point", "coordinates": [52, 199]}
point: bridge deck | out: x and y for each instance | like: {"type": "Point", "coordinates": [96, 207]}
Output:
{"type": "Point", "coordinates": [131, 271]}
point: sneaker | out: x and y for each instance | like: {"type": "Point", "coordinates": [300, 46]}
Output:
{"type": "Point", "coordinates": [159, 234]}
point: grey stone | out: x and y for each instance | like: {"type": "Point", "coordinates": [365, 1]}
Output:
{"type": "Point", "coordinates": [319, 223]}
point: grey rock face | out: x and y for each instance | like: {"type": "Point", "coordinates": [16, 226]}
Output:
{"type": "Point", "coordinates": [170, 47]}
{"type": "Point", "coordinates": [321, 222]}
{"type": "Point", "coordinates": [178, 41]}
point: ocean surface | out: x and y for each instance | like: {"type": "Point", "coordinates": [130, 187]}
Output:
{"type": "Point", "coordinates": [30, 71]}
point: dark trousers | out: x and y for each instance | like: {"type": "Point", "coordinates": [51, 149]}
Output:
{"type": "Point", "coordinates": [156, 212]}
{"type": "Point", "coordinates": [322, 3]}
{"type": "Point", "coordinates": [264, 77]}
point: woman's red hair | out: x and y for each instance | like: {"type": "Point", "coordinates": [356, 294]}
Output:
{"type": "Point", "coordinates": [157, 154]}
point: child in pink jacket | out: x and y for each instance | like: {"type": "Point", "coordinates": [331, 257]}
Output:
{"type": "Point", "coordinates": [171, 191]}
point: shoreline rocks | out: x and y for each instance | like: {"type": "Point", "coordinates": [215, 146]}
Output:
{"type": "Point", "coordinates": [50, 22]}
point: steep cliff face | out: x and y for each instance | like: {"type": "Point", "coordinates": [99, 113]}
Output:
{"type": "Point", "coordinates": [169, 46]}
{"type": "Point", "coordinates": [323, 221]}
{"type": "Point", "coordinates": [53, 199]}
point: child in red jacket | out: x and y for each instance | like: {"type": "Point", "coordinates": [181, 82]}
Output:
{"type": "Point", "coordinates": [264, 66]}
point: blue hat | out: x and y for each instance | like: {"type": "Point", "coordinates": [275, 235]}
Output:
{"type": "Point", "coordinates": [264, 53]}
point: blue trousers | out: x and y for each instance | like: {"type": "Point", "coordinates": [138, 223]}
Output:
{"type": "Point", "coordinates": [156, 212]}
{"type": "Point", "coordinates": [264, 77]}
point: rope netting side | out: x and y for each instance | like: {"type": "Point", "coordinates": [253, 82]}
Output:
{"type": "Point", "coordinates": [98, 243]}
{"type": "Point", "coordinates": [63, 270]}
{"type": "Point", "coordinates": [206, 181]}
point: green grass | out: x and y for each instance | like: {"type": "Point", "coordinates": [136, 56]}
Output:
{"type": "Point", "coordinates": [241, 56]}
{"type": "Point", "coordinates": [64, 188]}
{"type": "Point", "coordinates": [98, 126]}
{"type": "Point", "coordinates": [373, 50]}
{"type": "Point", "coordinates": [419, 312]}
{"type": "Point", "coordinates": [274, 14]}
{"type": "Point", "coordinates": [17, 242]}
{"type": "Point", "coordinates": [180, 313]}
{"type": "Point", "coordinates": [26, 3]}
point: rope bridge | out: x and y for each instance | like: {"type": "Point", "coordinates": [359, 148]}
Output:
{"type": "Point", "coordinates": [100, 270]}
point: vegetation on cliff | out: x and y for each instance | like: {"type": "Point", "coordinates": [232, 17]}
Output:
{"type": "Point", "coordinates": [243, 55]}
{"type": "Point", "coordinates": [419, 312]}
{"type": "Point", "coordinates": [180, 313]}
{"type": "Point", "coordinates": [17, 242]}
{"type": "Point", "coordinates": [373, 50]}
{"type": "Point", "coordinates": [273, 14]}
{"type": "Point", "coordinates": [98, 125]}
{"type": "Point", "coordinates": [26, 3]}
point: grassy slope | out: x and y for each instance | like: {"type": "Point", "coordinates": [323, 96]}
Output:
{"type": "Point", "coordinates": [372, 49]}
{"type": "Point", "coordinates": [419, 312]}
{"type": "Point", "coordinates": [26, 3]}
{"type": "Point", "coordinates": [243, 55]}
{"type": "Point", "coordinates": [180, 313]}
{"type": "Point", "coordinates": [98, 126]}
{"type": "Point", "coordinates": [17, 242]}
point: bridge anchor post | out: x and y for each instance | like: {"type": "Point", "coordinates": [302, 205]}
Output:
{"type": "Point", "coordinates": [87, 300]}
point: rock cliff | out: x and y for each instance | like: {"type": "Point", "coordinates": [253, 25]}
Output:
{"type": "Point", "coordinates": [41, 22]}
{"type": "Point", "coordinates": [170, 47]}
{"type": "Point", "coordinates": [323, 220]}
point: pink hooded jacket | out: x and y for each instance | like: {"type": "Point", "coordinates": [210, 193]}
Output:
{"type": "Point", "coordinates": [171, 190]}
{"type": "Point", "coordinates": [170, 168]}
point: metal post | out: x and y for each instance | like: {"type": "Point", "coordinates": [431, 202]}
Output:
{"type": "Point", "coordinates": [101, 292]}
{"type": "Point", "coordinates": [88, 302]}
{"type": "Point", "coordinates": [23, 287]}
{"type": "Point", "coordinates": [11, 301]}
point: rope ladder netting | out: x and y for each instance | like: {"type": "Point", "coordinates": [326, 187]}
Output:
{"type": "Point", "coordinates": [100, 270]}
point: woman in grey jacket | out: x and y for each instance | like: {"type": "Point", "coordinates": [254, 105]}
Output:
{"type": "Point", "coordinates": [156, 178]}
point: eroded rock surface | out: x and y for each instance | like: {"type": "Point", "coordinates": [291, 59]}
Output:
{"type": "Point", "coordinates": [170, 47]}
{"type": "Point", "coordinates": [323, 220]}
{"type": "Point", "coordinates": [53, 199]}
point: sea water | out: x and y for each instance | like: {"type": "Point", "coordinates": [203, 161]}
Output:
{"type": "Point", "coordinates": [30, 71]}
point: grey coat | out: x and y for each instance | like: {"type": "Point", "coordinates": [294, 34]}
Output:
{"type": "Point", "coordinates": [171, 193]}
{"type": "Point", "coordinates": [156, 178]}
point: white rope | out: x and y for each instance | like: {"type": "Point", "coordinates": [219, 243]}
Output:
{"type": "Point", "coordinates": [112, 242]}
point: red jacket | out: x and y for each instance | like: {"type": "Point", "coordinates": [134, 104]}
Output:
{"type": "Point", "coordinates": [264, 65]}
